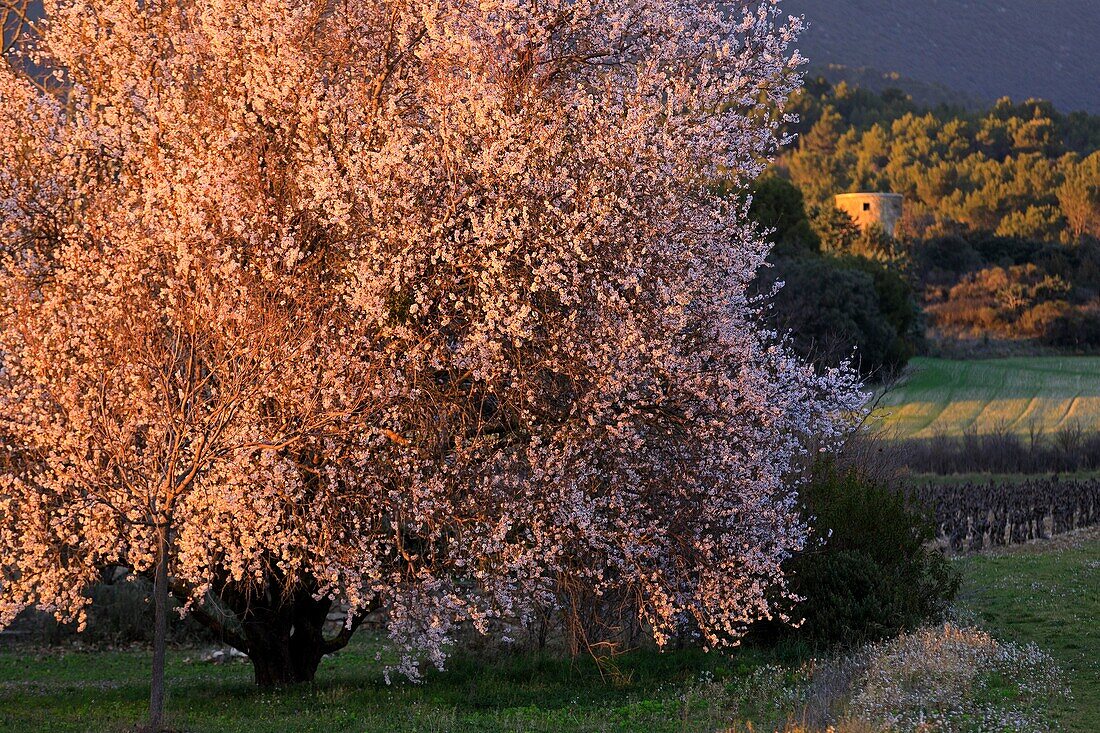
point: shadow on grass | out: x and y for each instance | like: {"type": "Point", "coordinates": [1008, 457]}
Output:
{"type": "Point", "coordinates": [492, 691]}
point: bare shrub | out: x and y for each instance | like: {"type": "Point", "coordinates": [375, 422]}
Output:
{"type": "Point", "coordinates": [1002, 451]}
{"type": "Point", "coordinates": [942, 678]}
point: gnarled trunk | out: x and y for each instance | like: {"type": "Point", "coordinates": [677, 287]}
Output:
{"type": "Point", "coordinates": [286, 640]}
{"type": "Point", "coordinates": [280, 629]}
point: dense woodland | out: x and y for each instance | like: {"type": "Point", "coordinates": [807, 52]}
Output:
{"type": "Point", "coordinates": [998, 247]}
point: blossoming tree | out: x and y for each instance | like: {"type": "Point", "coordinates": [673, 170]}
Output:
{"type": "Point", "coordinates": [424, 308]}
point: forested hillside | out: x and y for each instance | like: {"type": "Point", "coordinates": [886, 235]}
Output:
{"type": "Point", "coordinates": [998, 249]}
{"type": "Point", "coordinates": [986, 48]}
{"type": "Point", "coordinates": [1013, 169]}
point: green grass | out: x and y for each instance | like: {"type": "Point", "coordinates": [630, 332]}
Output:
{"type": "Point", "coordinates": [1047, 593]}
{"type": "Point", "coordinates": [942, 396]}
{"type": "Point", "coordinates": [107, 691]}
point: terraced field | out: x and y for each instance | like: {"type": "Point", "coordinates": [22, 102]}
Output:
{"type": "Point", "coordinates": [1045, 394]}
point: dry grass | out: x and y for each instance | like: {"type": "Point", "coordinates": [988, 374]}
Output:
{"type": "Point", "coordinates": [957, 679]}
{"type": "Point", "coordinates": [945, 679]}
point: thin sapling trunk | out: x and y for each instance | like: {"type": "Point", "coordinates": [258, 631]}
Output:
{"type": "Point", "coordinates": [160, 631]}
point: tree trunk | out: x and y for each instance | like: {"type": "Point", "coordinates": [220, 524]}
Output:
{"type": "Point", "coordinates": [280, 629]}
{"type": "Point", "coordinates": [160, 631]}
{"type": "Point", "coordinates": [286, 643]}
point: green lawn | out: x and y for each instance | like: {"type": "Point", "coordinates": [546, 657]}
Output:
{"type": "Point", "coordinates": [1047, 593]}
{"type": "Point", "coordinates": [942, 396]}
{"type": "Point", "coordinates": [107, 691]}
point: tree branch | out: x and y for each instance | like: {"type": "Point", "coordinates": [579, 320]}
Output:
{"type": "Point", "coordinates": [223, 633]}
{"type": "Point", "coordinates": [341, 640]}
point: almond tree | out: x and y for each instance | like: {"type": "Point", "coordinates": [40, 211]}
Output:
{"type": "Point", "coordinates": [427, 309]}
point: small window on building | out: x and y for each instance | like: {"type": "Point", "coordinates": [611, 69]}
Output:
{"type": "Point", "coordinates": [866, 205]}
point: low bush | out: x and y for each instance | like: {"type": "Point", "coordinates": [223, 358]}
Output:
{"type": "Point", "coordinates": [868, 573]}
{"type": "Point", "coordinates": [956, 679]}
{"type": "Point", "coordinates": [945, 678]}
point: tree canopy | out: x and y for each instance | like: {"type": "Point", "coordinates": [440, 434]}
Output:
{"type": "Point", "coordinates": [425, 309]}
{"type": "Point", "coordinates": [1018, 170]}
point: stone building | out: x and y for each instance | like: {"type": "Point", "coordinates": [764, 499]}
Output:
{"type": "Point", "coordinates": [866, 209]}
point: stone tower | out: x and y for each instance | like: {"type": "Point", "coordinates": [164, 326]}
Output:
{"type": "Point", "coordinates": [866, 209]}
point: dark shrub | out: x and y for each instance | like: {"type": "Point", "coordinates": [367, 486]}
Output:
{"type": "Point", "coordinates": [868, 573]}
{"type": "Point", "coordinates": [121, 613]}
{"type": "Point", "coordinates": [833, 312]}
{"type": "Point", "coordinates": [944, 260]}
{"type": "Point", "coordinates": [1075, 329]}
{"type": "Point", "coordinates": [898, 306]}
{"type": "Point", "coordinates": [778, 205]}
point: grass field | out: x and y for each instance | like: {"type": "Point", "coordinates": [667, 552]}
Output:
{"type": "Point", "coordinates": [940, 396]}
{"type": "Point", "coordinates": [1047, 593]}
{"type": "Point", "coordinates": [108, 691]}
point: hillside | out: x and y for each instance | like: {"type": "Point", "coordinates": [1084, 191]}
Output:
{"type": "Point", "coordinates": [961, 51]}
{"type": "Point", "coordinates": [982, 48]}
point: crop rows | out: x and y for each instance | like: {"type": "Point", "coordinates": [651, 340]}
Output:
{"type": "Point", "coordinates": [973, 516]}
{"type": "Point", "coordinates": [1022, 396]}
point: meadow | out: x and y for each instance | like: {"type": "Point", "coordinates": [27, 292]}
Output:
{"type": "Point", "coordinates": [1019, 395]}
{"type": "Point", "coordinates": [75, 691]}
{"type": "Point", "coordinates": [1047, 593]}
